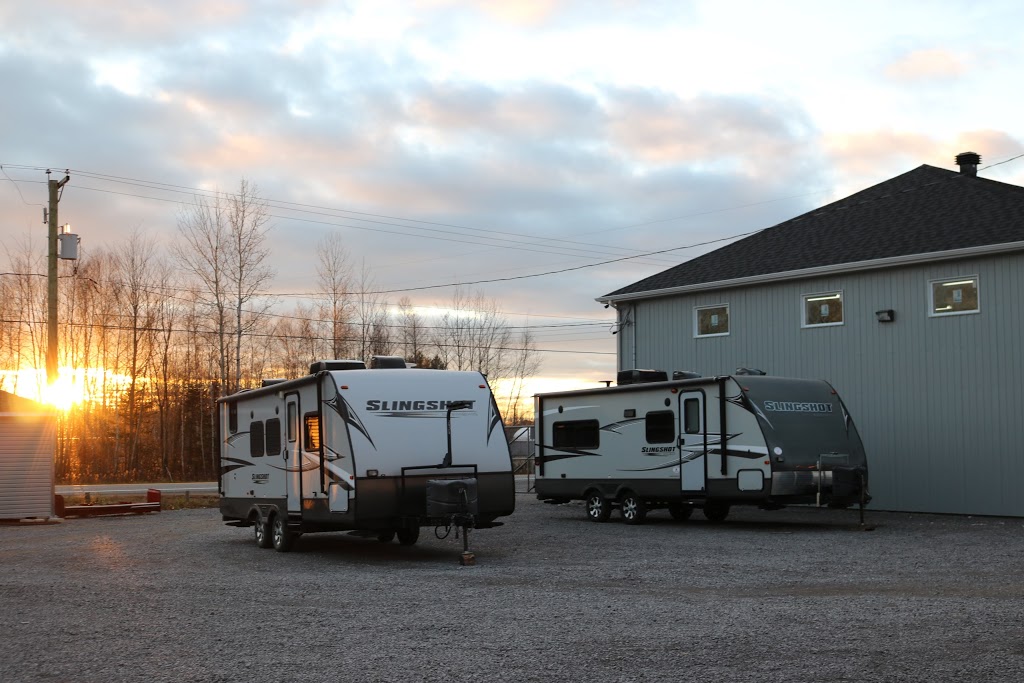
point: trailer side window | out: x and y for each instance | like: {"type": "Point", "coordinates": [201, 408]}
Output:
{"type": "Point", "coordinates": [661, 426]}
{"type": "Point", "coordinates": [691, 416]}
{"type": "Point", "coordinates": [232, 417]}
{"type": "Point", "coordinates": [256, 439]}
{"type": "Point", "coordinates": [312, 431]}
{"type": "Point", "coordinates": [576, 434]}
{"type": "Point", "coordinates": [293, 421]}
{"type": "Point", "coordinates": [273, 434]}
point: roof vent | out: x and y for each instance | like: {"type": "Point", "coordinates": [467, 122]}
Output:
{"type": "Point", "coordinates": [968, 163]}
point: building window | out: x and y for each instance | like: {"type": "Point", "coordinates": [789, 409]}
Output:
{"type": "Point", "coordinates": [661, 426]}
{"type": "Point", "coordinates": [256, 439]}
{"type": "Point", "coordinates": [576, 434]}
{"type": "Point", "coordinates": [711, 321]}
{"type": "Point", "coordinates": [823, 309]}
{"type": "Point", "coordinates": [273, 436]}
{"type": "Point", "coordinates": [954, 296]}
{"type": "Point", "coordinates": [312, 432]}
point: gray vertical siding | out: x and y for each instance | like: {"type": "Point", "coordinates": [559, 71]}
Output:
{"type": "Point", "coordinates": [939, 401]}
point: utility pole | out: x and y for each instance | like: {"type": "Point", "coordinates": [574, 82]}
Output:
{"type": "Point", "coordinates": [54, 187]}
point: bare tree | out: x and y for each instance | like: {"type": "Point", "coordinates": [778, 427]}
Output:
{"type": "Point", "coordinates": [473, 335]}
{"type": "Point", "coordinates": [225, 250]}
{"type": "Point", "coordinates": [248, 269]}
{"type": "Point", "coordinates": [413, 334]}
{"type": "Point", "coordinates": [133, 263]}
{"type": "Point", "coordinates": [371, 317]}
{"type": "Point", "coordinates": [335, 307]}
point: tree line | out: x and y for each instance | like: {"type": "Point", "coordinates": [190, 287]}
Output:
{"type": "Point", "coordinates": [150, 335]}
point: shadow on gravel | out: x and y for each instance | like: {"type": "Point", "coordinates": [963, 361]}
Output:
{"type": "Point", "coordinates": [342, 547]}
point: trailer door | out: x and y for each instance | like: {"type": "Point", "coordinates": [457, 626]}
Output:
{"type": "Point", "coordinates": [692, 441]}
{"type": "Point", "coordinates": [293, 452]}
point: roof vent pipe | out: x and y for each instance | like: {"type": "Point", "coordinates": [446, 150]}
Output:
{"type": "Point", "coordinates": [968, 163]}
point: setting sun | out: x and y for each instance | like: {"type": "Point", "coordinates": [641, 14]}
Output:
{"type": "Point", "coordinates": [64, 393]}
{"type": "Point", "coordinates": [72, 388]}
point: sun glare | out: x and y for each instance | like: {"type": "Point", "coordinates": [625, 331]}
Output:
{"type": "Point", "coordinates": [74, 386]}
{"type": "Point", "coordinates": [64, 393]}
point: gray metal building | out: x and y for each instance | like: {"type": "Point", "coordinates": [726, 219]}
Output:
{"type": "Point", "coordinates": [28, 438]}
{"type": "Point", "coordinates": [908, 297]}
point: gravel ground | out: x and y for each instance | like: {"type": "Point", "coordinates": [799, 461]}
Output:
{"type": "Point", "coordinates": [793, 595]}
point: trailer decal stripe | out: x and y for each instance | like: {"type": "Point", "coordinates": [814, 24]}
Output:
{"type": "Point", "coordinates": [616, 427]}
{"type": "Point", "coordinates": [235, 464]}
{"type": "Point", "coordinates": [339, 405]}
{"type": "Point", "coordinates": [235, 437]}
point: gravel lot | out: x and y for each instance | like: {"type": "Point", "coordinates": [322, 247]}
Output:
{"type": "Point", "coordinates": [793, 595]}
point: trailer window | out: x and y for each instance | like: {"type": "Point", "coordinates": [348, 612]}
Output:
{"type": "Point", "coordinates": [691, 416]}
{"type": "Point", "coordinates": [661, 426]}
{"type": "Point", "coordinates": [312, 431]}
{"type": "Point", "coordinates": [293, 421]}
{"type": "Point", "coordinates": [273, 436]}
{"type": "Point", "coordinates": [256, 439]}
{"type": "Point", "coordinates": [232, 417]}
{"type": "Point", "coordinates": [576, 434]}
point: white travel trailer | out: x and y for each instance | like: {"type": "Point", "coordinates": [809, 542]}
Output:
{"type": "Point", "coordinates": [708, 443]}
{"type": "Point", "coordinates": [384, 451]}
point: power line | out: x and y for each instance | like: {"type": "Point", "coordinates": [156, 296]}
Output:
{"type": "Point", "coordinates": [304, 338]}
{"type": "Point", "coordinates": [160, 291]}
{"type": "Point", "coordinates": [512, 242]}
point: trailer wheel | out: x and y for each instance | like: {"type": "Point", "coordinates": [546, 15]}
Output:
{"type": "Point", "coordinates": [597, 506]}
{"type": "Point", "coordinates": [386, 536]}
{"type": "Point", "coordinates": [282, 536]}
{"type": "Point", "coordinates": [262, 533]}
{"type": "Point", "coordinates": [716, 512]}
{"type": "Point", "coordinates": [408, 535]}
{"type": "Point", "coordinates": [634, 509]}
{"type": "Point", "coordinates": [680, 512]}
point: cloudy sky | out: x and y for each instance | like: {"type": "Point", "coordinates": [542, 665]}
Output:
{"type": "Point", "coordinates": [467, 141]}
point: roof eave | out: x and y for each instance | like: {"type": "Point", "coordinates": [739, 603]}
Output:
{"type": "Point", "coordinates": [840, 268]}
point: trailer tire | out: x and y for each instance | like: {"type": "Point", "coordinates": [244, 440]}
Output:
{"type": "Point", "coordinates": [408, 535]}
{"type": "Point", "coordinates": [598, 508]}
{"type": "Point", "coordinates": [282, 536]}
{"type": "Point", "coordinates": [716, 512]}
{"type": "Point", "coordinates": [634, 509]}
{"type": "Point", "coordinates": [386, 536]}
{"type": "Point", "coordinates": [680, 512]}
{"type": "Point", "coordinates": [262, 533]}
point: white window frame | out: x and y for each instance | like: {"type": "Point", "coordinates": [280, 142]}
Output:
{"type": "Point", "coordinates": [950, 280]}
{"type": "Point", "coordinates": [696, 321]}
{"type": "Point", "coordinates": [805, 298]}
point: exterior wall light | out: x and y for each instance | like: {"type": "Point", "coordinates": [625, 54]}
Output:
{"type": "Point", "coordinates": [886, 316]}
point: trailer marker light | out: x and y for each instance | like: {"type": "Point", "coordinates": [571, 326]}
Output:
{"type": "Point", "coordinates": [767, 462]}
{"type": "Point", "coordinates": [344, 386]}
{"type": "Point", "coordinates": [482, 386]}
{"type": "Point", "coordinates": [351, 476]}
{"type": "Point", "coordinates": [675, 391]}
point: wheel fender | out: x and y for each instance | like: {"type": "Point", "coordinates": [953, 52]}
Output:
{"type": "Point", "coordinates": [621, 492]}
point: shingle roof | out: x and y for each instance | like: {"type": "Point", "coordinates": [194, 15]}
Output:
{"type": "Point", "coordinates": [925, 210]}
